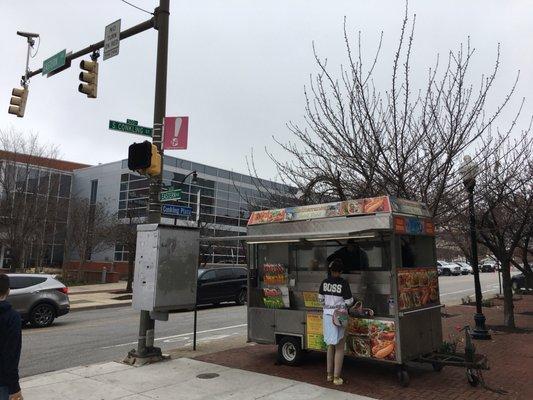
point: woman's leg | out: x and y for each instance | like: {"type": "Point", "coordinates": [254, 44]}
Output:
{"type": "Point", "coordinates": [339, 358]}
{"type": "Point", "coordinates": [330, 359]}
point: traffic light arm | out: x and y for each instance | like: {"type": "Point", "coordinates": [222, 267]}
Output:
{"type": "Point", "coordinates": [143, 26]}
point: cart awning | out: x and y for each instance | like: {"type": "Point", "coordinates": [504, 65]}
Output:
{"type": "Point", "coordinates": [294, 237]}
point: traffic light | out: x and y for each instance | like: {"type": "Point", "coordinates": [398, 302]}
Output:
{"type": "Point", "coordinates": [144, 158]}
{"type": "Point", "coordinates": [18, 101]}
{"type": "Point", "coordinates": [89, 77]}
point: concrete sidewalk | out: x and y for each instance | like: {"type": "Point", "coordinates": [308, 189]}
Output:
{"type": "Point", "coordinates": [92, 297]}
{"type": "Point", "coordinates": [174, 379]}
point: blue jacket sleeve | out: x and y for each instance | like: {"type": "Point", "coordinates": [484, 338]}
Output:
{"type": "Point", "coordinates": [13, 346]}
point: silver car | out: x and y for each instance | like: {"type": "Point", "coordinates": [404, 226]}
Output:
{"type": "Point", "coordinates": [38, 298]}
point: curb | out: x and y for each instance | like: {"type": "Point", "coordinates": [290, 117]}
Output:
{"type": "Point", "coordinates": [100, 307]}
{"type": "Point", "coordinates": [96, 291]}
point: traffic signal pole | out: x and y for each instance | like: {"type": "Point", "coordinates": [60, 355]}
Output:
{"type": "Point", "coordinates": [146, 352]}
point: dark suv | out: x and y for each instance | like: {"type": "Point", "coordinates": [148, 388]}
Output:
{"type": "Point", "coordinates": [222, 284]}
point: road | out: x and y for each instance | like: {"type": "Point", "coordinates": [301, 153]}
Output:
{"type": "Point", "coordinates": [87, 337]}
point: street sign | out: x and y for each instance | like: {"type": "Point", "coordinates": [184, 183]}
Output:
{"type": "Point", "coordinates": [112, 40]}
{"type": "Point", "coordinates": [175, 133]}
{"type": "Point", "coordinates": [130, 126]}
{"type": "Point", "coordinates": [173, 194]}
{"type": "Point", "coordinates": [176, 211]}
{"type": "Point", "coordinates": [54, 62]}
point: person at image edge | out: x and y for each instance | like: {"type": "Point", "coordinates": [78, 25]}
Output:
{"type": "Point", "coordinates": [336, 296]}
{"type": "Point", "coordinates": [10, 345]}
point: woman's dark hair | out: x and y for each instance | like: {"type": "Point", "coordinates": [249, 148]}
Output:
{"type": "Point", "coordinates": [4, 284]}
{"type": "Point", "coordinates": [336, 265]}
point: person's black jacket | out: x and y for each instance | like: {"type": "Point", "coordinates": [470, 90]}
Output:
{"type": "Point", "coordinates": [10, 345]}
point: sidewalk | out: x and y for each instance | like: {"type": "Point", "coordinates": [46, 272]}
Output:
{"type": "Point", "coordinates": [510, 356]}
{"type": "Point", "coordinates": [170, 380]}
{"type": "Point", "coordinates": [92, 297]}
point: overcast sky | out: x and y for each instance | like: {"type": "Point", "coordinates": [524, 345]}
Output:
{"type": "Point", "coordinates": [237, 68]}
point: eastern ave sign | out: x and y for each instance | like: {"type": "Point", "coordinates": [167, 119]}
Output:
{"type": "Point", "coordinates": [131, 126]}
{"type": "Point", "coordinates": [54, 62]}
{"type": "Point", "coordinates": [174, 194]}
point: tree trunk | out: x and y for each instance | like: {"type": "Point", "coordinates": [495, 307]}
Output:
{"type": "Point", "coordinates": [508, 306]}
{"type": "Point", "coordinates": [131, 269]}
{"type": "Point", "coordinates": [80, 272]}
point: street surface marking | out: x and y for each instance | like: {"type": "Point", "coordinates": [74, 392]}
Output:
{"type": "Point", "coordinates": [178, 336]}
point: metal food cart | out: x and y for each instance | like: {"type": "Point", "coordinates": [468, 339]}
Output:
{"type": "Point", "coordinates": [388, 250]}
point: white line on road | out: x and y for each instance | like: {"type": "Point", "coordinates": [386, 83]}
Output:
{"type": "Point", "coordinates": [177, 336]}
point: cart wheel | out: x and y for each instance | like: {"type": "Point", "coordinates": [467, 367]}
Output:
{"type": "Point", "coordinates": [290, 351]}
{"type": "Point", "coordinates": [472, 377]}
{"type": "Point", "coordinates": [403, 376]}
{"type": "Point", "coordinates": [437, 367]}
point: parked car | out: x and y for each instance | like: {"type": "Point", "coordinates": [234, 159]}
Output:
{"type": "Point", "coordinates": [447, 268]}
{"type": "Point", "coordinates": [465, 268]}
{"type": "Point", "coordinates": [518, 283]}
{"type": "Point", "coordinates": [222, 284]}
{"type": "Point", "coordinates": [488, 267]}
{"type": "Point", "coordinates": [39, 299]}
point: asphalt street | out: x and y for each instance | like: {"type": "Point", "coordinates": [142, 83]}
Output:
{"type": "Point", "coordinates": [87, 337]}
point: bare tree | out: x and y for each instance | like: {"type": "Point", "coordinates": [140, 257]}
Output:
{"type": "Point", "coordinates": [90, 229]}
{"type": "Point", "coordinates": [124, 232]}
{"type": "Point", "coordinates": [506, 210]}
{"type": "Point", "coordinates": [358, 141]}
{"type": "Point", "coordinates": [407, 141]}
{"type": "Point", "coordinates": [25, 204]}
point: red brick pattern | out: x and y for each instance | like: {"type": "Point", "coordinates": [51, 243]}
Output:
{"type": "Point", "coordinates": [510, 357]}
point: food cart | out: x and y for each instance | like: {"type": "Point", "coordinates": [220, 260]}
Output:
{"type": "Point", "coordinates": [387, 246]}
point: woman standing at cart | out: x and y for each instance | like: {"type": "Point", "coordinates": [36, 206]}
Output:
{"type": "Point", "coordinates": [336, 297]}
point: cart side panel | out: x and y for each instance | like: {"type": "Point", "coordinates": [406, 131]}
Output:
{"type": "Point", "coordinates": [262, 325]}
{"type": "Point", "coordinates": [420, 333]}
{"type": "Point", "coordinates": [290, 322]}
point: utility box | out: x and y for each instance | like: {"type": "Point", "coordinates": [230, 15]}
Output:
{"type": "Point", "coordinates": [166, 266]}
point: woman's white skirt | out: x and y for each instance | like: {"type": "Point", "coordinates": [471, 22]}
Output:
{"type": "Point", "coordinates": [332, 333]}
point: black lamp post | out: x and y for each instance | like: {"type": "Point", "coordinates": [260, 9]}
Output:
{"type": "Point", "coordinates": [469, 172]}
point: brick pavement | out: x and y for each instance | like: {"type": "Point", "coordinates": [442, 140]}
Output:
{"type": "Point", "coordinates": [510, 357]}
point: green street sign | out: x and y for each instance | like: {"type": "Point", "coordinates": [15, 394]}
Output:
{"type": "Point", "coordinates": [130, 126]}
{"type": "Point", "coordinates": [54, 62]}
{"type": "Point", "coordinates": [174, 194]}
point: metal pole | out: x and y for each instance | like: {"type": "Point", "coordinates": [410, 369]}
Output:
{"type": "Point", "coordinates": [194, 328]}
{"type": "Point", "coordinates": [500, 280]}
{"type": "Point", "coordinates": [145, 345]}
{"type": "Point", "coordinates": [480, 331]}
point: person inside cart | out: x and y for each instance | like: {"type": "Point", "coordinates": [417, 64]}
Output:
{"type": "Point", "coordinates": [352, 256]}
{"type": "Point", "coordinates": [336, 297]}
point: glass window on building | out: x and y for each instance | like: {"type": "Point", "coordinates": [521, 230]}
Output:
{"type": "Point", "coordinates": [120, 253]}
{"type": "Point", "coordinates": [54, 184]}
{"type": "Point", "coordinates": [210, 170]}
{"type": "Point", "coordinates": [33, 180]}
{"type": "Point", "coordinates": [64, 185]}
{"type": "Point", "coordinates": [44, 181]}
{"type": "Point", "coordinates": [184, 164]}
{"type": "Point", "coordinates": [224, 174]}
{"type": "Point", "coordinates": [94, 191]}
{"type": "Point", "coordinates": [198, 168]}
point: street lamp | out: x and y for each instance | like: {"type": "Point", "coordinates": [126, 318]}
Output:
{"type": "Point", "coordinates": [468, 171]}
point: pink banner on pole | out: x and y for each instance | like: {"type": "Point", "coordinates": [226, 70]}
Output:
{"type": "Point", "coordinates": [175, 133]}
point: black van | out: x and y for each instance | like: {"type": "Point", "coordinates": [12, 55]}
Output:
{"type": "Point", "coordinates": [216, 285]}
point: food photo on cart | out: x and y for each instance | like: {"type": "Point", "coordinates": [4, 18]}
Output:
{"type": "Point", "coordinates": [387, 248]}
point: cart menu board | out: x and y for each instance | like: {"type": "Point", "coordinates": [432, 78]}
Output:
{"type": "Point", "coordinates": [417, 287]}
{"type": "Point", "coordinates": [315, 333]}
{"type": "Point", "coordinates": [275, 289]}
{"type": "Point", "coordinates": [311, 300]}
{"type": "Point", "coordinates": [371, 338]}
